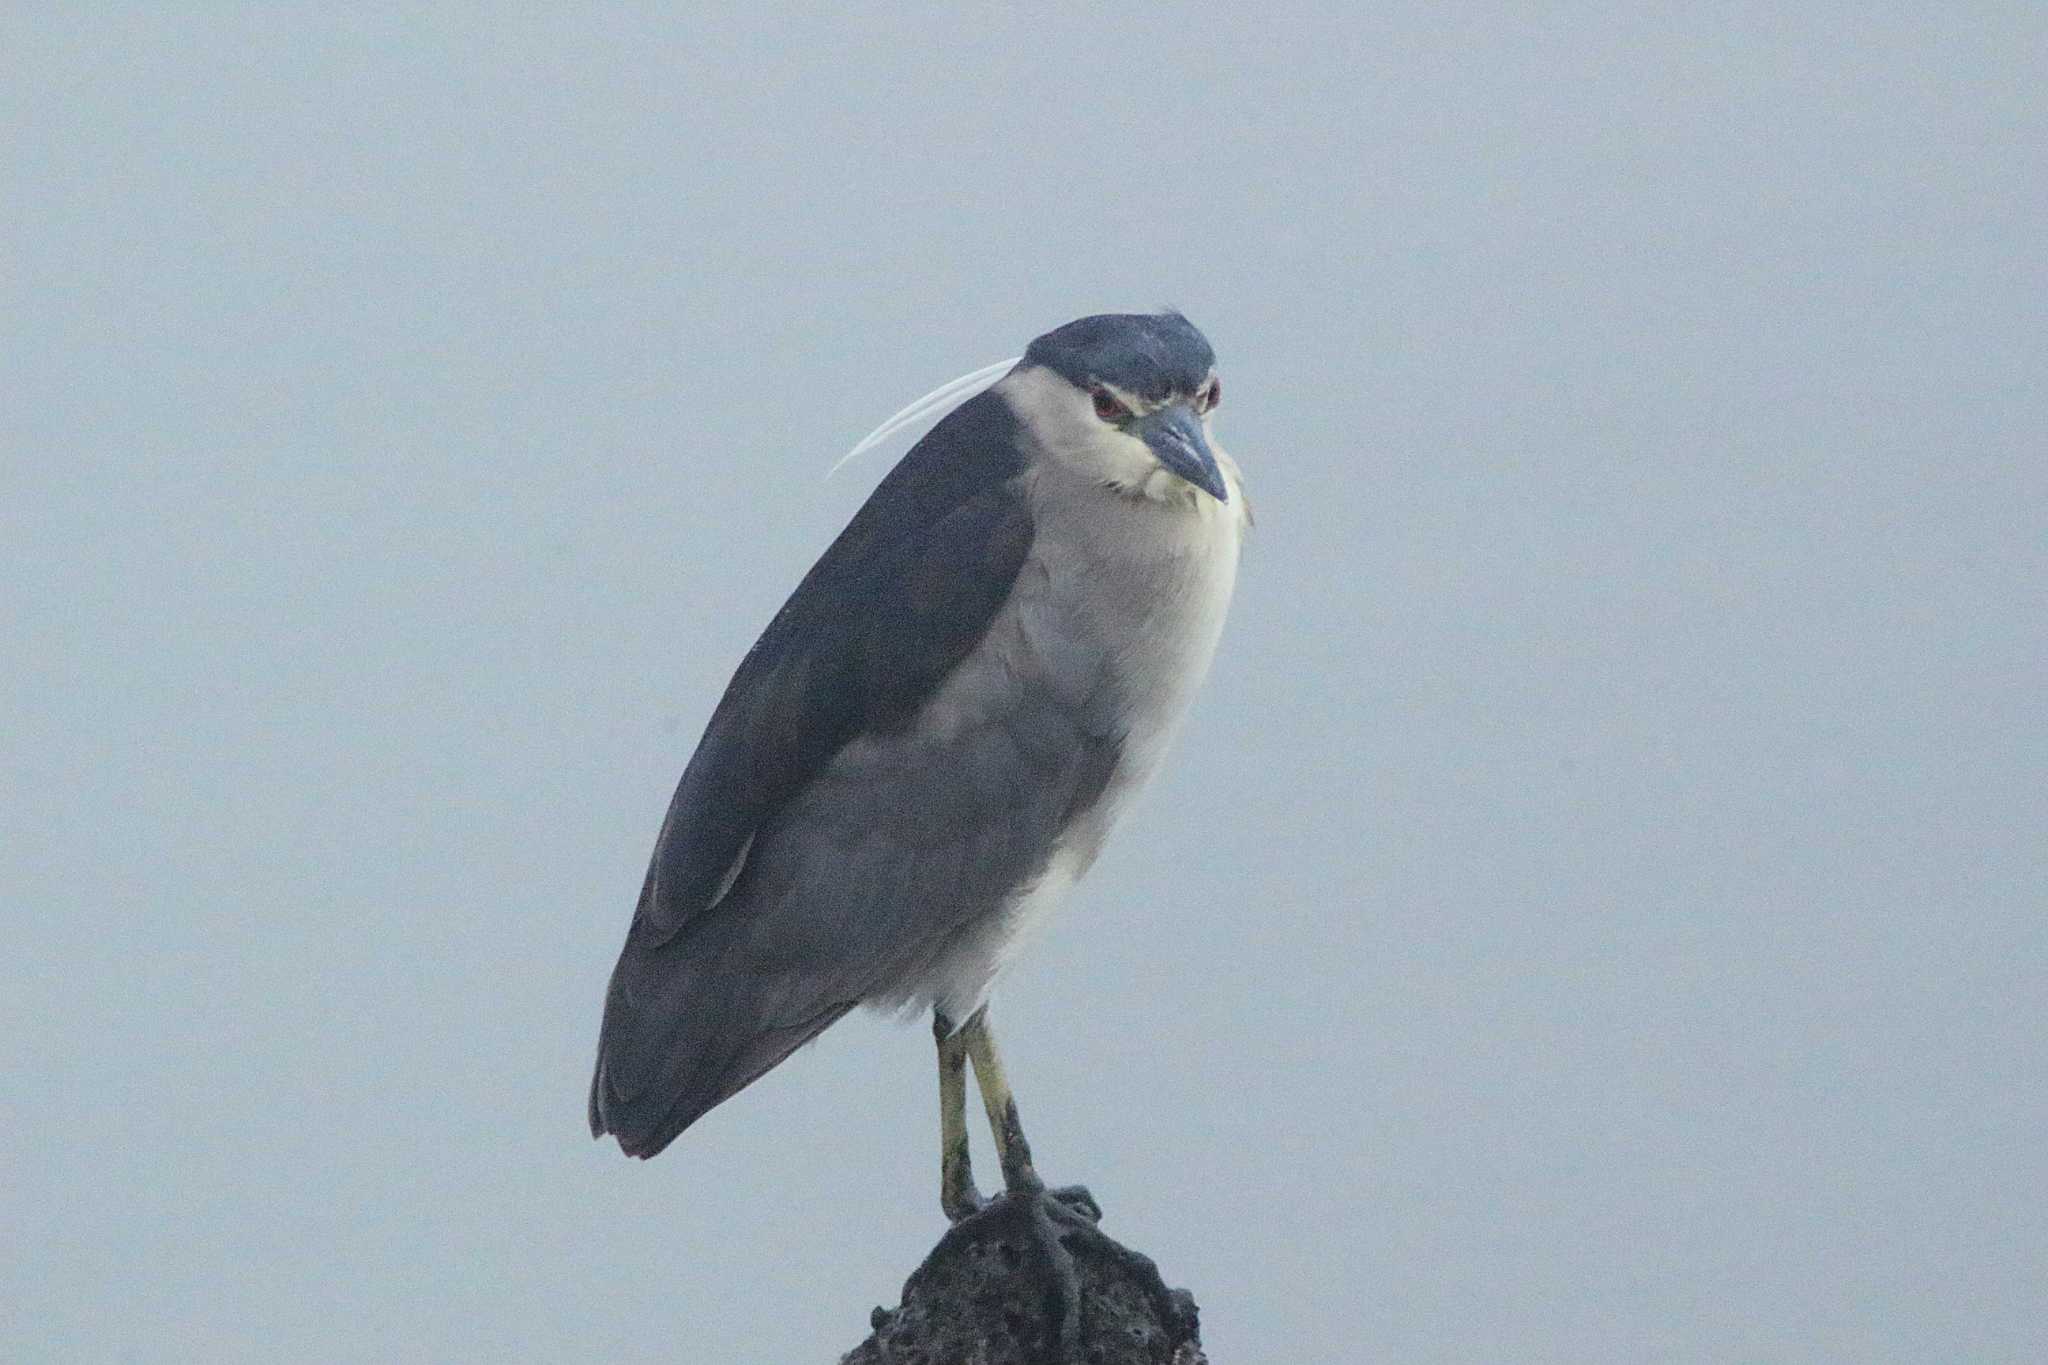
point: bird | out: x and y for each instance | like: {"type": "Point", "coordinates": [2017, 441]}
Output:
{"type": "Point", "coordinates": [930, 741]}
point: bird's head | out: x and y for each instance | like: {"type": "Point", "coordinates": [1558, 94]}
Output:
{"type": "Point", "coordinates": [1125, 398]}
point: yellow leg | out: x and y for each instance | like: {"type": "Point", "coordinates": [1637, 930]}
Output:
{"type": "Point", "coordinates": [957, 1195]}
{"type": "Point", "coordinates": [1019, 1177]}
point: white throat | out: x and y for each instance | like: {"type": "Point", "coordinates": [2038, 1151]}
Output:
{"type": "Point", "coordinates": [1062, 428]}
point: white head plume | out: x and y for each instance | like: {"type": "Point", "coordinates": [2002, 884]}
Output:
{"type": "Point", "coordinates": [948, 395]}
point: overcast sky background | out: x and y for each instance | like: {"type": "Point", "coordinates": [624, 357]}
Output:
{"type": "Point", "coordinates": [1595, 911]}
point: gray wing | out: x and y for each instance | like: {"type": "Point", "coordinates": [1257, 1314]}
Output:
{"type": "Point", "coordinates": [814, 829]}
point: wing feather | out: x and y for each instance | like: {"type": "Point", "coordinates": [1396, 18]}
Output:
{"type": "Point", "coordinates": [906, 592]}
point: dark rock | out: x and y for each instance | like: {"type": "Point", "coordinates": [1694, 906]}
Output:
{"type": "Point", "coordinates": [1030, 1282]}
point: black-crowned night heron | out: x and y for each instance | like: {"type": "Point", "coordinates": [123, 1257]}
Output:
{"type": "Point", "coordinates": [933, 737]}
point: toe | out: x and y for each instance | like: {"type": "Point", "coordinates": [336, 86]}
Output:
{"type": "Point", "coordinates": [960, 1208]}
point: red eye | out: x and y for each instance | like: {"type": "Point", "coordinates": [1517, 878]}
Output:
{"type": "Point", "coordinates": [1212, 395]}
{"type": "Point", "coordinates": [1108, 408]}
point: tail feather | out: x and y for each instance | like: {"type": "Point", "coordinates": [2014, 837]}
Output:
{"type": "Point", "coordinates": [681, 1037]}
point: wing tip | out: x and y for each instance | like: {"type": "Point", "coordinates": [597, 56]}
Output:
{"type": "Point", "coordinates": [642, 1140]}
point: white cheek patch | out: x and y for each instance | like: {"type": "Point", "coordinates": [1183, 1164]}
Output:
{"type": "Point", "coordinates": [1061, 420]}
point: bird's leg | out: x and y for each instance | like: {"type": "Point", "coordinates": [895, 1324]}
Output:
{"type": "Point", "coordinates": [957, 1195]}
{"type": "Point", "coordinates": [1020, 1177]}
{"type": "Point", "coordinates": [1047, 1226]}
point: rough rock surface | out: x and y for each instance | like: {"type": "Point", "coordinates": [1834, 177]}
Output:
{"type": "Point", "coordinates": [992, 1293]}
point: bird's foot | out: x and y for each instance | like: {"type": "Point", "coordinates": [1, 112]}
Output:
{"type": "Point", "coordinates": [961, 1204]}
{"type": "Point", "coordinates": [1022, 1182]}
{"type": "Point", "coordinates": [1038, 1232]}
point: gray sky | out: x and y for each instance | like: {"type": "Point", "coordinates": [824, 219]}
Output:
{"type": "Point", "coordinates": [1595, 911]}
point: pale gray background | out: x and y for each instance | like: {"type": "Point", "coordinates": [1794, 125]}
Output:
{"type": "Point", "coordinates": [1595, 911]}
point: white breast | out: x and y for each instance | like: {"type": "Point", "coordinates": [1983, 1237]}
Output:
{"type": "Point", "coordinates": [1155, 579]}
{"type": "Point", "coordinates": [1147, 572]}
